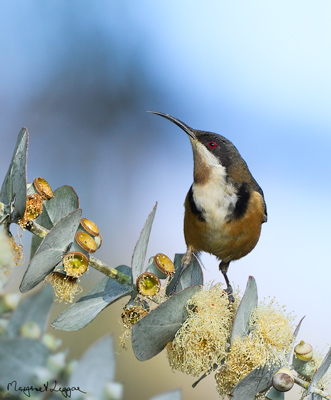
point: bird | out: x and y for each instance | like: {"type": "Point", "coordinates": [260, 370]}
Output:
{"type": "Point", "coordinates": [224, 207]}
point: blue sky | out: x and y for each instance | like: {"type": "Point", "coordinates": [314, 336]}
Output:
{"type": "Point", "coordinates": [257, 72]}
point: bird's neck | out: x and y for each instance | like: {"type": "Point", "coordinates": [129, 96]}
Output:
{"type": "Point", "coordinates": [215, 196]}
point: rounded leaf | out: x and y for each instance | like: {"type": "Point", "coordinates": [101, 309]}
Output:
{"type": "Point", "coordinates": [159, 326]}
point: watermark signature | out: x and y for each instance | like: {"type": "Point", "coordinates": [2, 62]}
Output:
{"type": "Point", "coordinates": [46, 387]}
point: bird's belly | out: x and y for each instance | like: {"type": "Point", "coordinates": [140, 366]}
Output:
{"type": "Point", "coordinates": [227, 239]}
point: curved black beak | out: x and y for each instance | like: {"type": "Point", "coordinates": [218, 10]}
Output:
{"type": "Point", "coordinates": [176, 121]}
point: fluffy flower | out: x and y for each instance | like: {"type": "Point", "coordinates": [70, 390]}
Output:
{"type": "Point", "coordinates": [269, 341]}
{"type": "Point", "coordinates": [34, 207]}
{"type": "Point", "coordinates": [202, 340]}
{"type": "Point", "coordinates": [65, 287]}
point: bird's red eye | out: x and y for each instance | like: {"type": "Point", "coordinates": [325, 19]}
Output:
{"type": "Point", "coordinates": [212, 145]}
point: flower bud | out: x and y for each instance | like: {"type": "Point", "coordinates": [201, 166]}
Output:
{"type": "Point", "coordinates": [30, 330]}
{"type": "Point", "coordinates": [283, 380]}
{"type": "Point", "coordinates": [50, 341]}
{"type": "Point", "coordinates": [303, 351]}
{"type": "Point", "coordinates": [112, 391]}
{"type": "Point", "coordinates": [8, 302]}
{"type": "Point", "coordinates": [11, 300]}
{"type": "Point", "coordinates": [56, 362]}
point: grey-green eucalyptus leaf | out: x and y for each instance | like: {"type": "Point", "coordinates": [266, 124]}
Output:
{"type": "Point", "coordinates": [51, 250]}
{"type": "Point", "coordinates": [139, 253]}
{"type": "Point", "coordinates": [95, 369]}
{"type": "Point", "coordinates": [191, 276]}
{"type": "Point", "coordinates": [320, 372]}
{"type": "Point", "coordinates": [18, 359]}
{"type": "Point", "coordinates": [159, 326]}
{"type": "Point", "coordinates": [104, 293]}
{"type": "Point", "coordinates": [171, 395]}
{"type": "Point", "coordinates": [64, 201]}
{"type": "Point", "coordinates": [259, 380]}
{"type": "Point", "coordinates": [34, 308]}
{"type": "Point", "coordinates": [295, 334]}
{"type": "Point", "coordinates": [275, 394]}
{"type": "Point", "coordinates": [248, 303]}
{"type": "Point", "coordinates": [14, 184]}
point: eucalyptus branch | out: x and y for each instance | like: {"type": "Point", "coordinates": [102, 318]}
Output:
{"type": "Point", "coordinates": [305, 385]}
{"type": "Point", "coordinates": [36, 229]}
{"type": "Point", "coordinates": [112, 273]}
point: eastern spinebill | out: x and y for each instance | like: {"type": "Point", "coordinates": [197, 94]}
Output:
{"type": "Point", "coordinates": [225, 206]}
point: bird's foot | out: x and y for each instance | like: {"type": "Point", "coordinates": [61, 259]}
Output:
{"type": "Point", "coordinates": [229, 292]}
{"type": "Point", "coordinates": [224, 266]}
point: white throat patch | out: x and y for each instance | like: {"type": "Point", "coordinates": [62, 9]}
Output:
{"type": "Point", "coordinates": [216, 198]}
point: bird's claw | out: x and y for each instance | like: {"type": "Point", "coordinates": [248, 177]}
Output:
{"type": "Point", "coordinates": [229, 292]}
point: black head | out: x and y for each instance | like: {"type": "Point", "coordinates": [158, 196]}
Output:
{"type": "Point", "coordinates": [217, 145]}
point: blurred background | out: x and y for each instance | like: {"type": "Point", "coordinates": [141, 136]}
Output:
{"type": "Point", "coordinates": [80, 75]}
